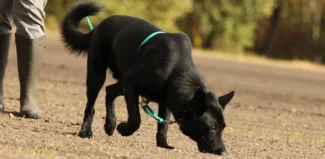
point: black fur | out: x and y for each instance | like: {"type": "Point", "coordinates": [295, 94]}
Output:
{"type": "Point", "coordinates": [71, 24]}
{"type": "Point", "coordinates": [162, 71]}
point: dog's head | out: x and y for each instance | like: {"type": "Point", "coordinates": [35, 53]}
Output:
{"type": "Point", "coordinates": [203, 121]}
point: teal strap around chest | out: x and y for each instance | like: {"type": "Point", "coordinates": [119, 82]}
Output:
{"type": "Point", "coordinates": [149, 37]}
{"type": "Point", "coordinates": [146, 108]}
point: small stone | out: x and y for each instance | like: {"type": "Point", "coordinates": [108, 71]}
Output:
{"type": "Point", "coordinates": [294, 110]}
{"type": "Point", "coordinates": [75, 123]}
{"type": "Point", "coordinates": [11, 115]}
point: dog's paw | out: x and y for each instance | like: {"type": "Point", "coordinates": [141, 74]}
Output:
{"type": "Point", "coordinates": [85, 134]}
{"type": "Point", "coordinates": [109, 129]}
{"type": "Point", "coordinates": [166, 146]}
{"type": "Point", "coordinates": [162, 142]}
{"type": "Point", "coordinates": [124, 129]}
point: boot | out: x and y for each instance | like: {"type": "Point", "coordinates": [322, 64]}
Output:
{"type": "Point", "coordinates": [29, 56]}
{"type": "Point", "coordinates": [4, 50]}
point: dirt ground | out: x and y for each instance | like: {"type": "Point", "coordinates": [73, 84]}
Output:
{"type": "Point", "coordinates": [276, 113]}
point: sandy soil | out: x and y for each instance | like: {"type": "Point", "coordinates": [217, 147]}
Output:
{"type": "Point", "coordinates": [276, 113]}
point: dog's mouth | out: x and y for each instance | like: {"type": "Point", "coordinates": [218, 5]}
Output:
{"type": "Point", "coordinates": [220, 151]}
{"type": "Point", "coordinates": [205, 147]}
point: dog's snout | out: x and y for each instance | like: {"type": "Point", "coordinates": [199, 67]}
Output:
{"type": "Point", "coordinates": [221, 152]}
{"type": "Point", "coordinates": [224, 153]}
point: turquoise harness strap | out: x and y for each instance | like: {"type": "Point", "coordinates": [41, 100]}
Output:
{"type": "Point", "coordinates": [149, 37]}
{"type": "Point", "coordinates": [88, 20]}
{"type": "Point", "coordinates": [145, 107]}
{"type": "Point", "coordinates": [151, 113]}
{"type": "Point", "coordinates": [145, 103]}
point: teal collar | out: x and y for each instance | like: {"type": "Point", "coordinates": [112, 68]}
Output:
{"type": "Point", "coordinates": [149, 37]}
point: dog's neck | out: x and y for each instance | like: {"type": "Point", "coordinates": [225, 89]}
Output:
{"type": "Point", "coordinates": [181, 91]}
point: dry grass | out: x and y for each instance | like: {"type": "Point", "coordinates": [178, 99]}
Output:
{"type": "Point", "coordinates": [261, 60]}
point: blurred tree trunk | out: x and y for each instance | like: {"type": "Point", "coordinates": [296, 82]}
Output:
{"type": "Point", "coordinates": [316, 28]}
{"type": "Point", "coordinates": [317, 7]}
{"type": "Point", "coordinates": [208, 43]}
{"type": "Point", "coordinates": [306, 16]}
{"type": "Point", "coordinates": [274, 22]}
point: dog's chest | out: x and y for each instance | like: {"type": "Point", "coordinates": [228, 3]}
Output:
{"type": "Point", "coordinates": [156, 95]}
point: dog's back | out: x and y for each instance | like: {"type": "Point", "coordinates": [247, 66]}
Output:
{"type": "Point", "coordinates": [115, 42]}
{"type": "Point", "coordinates": [119, 38]}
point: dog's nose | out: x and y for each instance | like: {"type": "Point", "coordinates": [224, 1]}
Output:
{"type": "Point", "coordinates": [224, 153]}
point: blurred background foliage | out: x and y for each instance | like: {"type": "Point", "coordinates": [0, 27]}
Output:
{"type": "Point", "coordinates": [282, 29]}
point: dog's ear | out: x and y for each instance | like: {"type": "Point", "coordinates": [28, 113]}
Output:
{"type": "Point", "coordinates": [198, 105]}
{"type": "Point", "coordinates": [225, 99]}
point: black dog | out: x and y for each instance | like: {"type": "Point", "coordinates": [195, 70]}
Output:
{"type": "Point", "coordinates": [162, 70]}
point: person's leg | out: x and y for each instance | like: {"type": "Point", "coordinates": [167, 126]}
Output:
{"type": "Point", "coordinates": [30, 37]}
{"type": "Point", "coordinates": [29, 18]}
{"type": "Point", "coordinates": [5, 34]}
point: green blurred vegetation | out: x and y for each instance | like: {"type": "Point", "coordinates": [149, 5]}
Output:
{"type": "Point", "coordinates": [283, 29]}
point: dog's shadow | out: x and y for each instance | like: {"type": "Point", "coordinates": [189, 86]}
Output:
{"type": "Point", "coordinates": [70, 133]}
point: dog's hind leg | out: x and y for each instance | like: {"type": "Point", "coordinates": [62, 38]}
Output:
{"type": "Point", "coordinates": [95, 80]}
{"type": "Point", "coordinates": [112, 92]}
{"type": "Point", "coordinates": [161, 136]}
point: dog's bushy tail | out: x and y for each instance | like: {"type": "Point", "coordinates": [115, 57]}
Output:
{"type": "Point", "coordinates": [76, 41]}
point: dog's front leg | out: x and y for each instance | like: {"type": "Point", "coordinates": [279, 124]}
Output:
{"type": "Point", "coordinates": [112, 92]}
{"type": "Point", "coordinates": [134, 120]}
{"type": "Point", "coordinates": [133, 77]}
{"type": "Point", "coordinates": [161, 137]}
